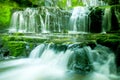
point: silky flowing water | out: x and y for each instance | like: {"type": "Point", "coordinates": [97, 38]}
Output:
{"type": "Point", "coordinates": [52, 19]}
{"type": "Point", "coordinates": [62, 62]}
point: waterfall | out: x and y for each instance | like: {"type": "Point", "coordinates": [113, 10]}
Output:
{"type": "Point", "coordinates": [17, 22]}
{"type": "Point", "coordinates": [39, 20]}
{"type": "Point", "coordinates": [62, 62]}
{"type": "Point", "coordinates": [51, 19]}
{"type": "Point", "coordinates": [79, 20]}
{"type": "Point", "coordinates": [106, 21]}
{"type": "Point", "coordinates": [45, 23]}
{"type": "Point", "coordinates": [25, 21]}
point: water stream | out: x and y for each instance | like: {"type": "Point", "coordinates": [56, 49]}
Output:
{"type": "Point", "coordinates": [62, 62]}
{"type": "Point", "coordinates": [79, 20]}
{"type": "Point", "coordinates": [52, 19]}
{"type": "Point", "coordinates": [106, 22]}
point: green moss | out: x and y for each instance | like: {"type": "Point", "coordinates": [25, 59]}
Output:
{"type": "Point", "coordinates": [112, 41]}
{"type": "Point", "coordinates": [60, 41]}
{"type": "Point", "coordinates": [22, 45]}
{"type": "Point", "coordinates": [104, 7]}
{"type": "Point", "coordinates": [17, 48]}
{"type": "Point", "coordinates": [37, 2]}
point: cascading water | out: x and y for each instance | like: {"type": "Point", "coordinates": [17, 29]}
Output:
{"type": "Point", "coordinates": [45, 24]}
{"type": "Point", "coordinates": [17, 21]}
{"type": "Point", "coordinates": [62, 62]}
{"type": "Point", "coordinates": [106, 21]}
{"type": "Point", "coordinates": [38, 20]}
{"type": "Point", "coordinates": [79, 20]}
{"type": "Point", "coordinates": [56, 20]}
{"type": "Point", "coordinates": [25, 21]}
{"type": "Point", "coordinates": [55, 61]}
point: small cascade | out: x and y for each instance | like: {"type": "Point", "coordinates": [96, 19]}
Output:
{"type": "Point", "coordinates": [25, 21]}
{"type": "Point", "coordinates": [37, 51]}
{"type": "Point", "coordinates": [17, 21]}
{"type": "Point", "coordinates": [32, 20]}
{"type": "Point", "coordinates": [45, 24]}
{"type": "Point", "coordinates": [79, 20]}
{"type": "Point", "coordinates": [106, 21]}
{"type": "Point", "coordinates": [52, 19]}
{"type": "Point", "coordinates": [39, 20]}
{"type": "Point", "coordinates": [59, 62]}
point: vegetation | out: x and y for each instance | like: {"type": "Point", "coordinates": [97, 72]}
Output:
{"type": "Point", "coordinates": [18, 45]}
{"type": "Point", "coordinates": [7, 6]}
{"type": "Point", "coordinates": [5, 13]}
{"type": "Point", "coordinates": [112, 2]}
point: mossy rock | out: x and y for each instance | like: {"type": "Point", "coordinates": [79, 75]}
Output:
{"type": "Point", "coordinates": [111, 43]}
{"type": "Point", "coordinates": [96, 20]}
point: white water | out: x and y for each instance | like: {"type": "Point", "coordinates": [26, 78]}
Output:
{"type": "Point", "coordinates": [50, 62]}
{"type": "Point", "coordinates": [30, 21]}
{"type": "Point", "coordinates": [17, 22]}
{"type": "Point", "coordinates": [24, 21]}
{"type": "Point", "coordinates": [47, 22]}
{"type": "Point", "coordinates": [106, 21]}
{"type": "Point", "coordinates": [79, 20]}
{"type": "Point", "coordinates": [37, 20]}
{"type": "Point", "coordinates": [53, 19]}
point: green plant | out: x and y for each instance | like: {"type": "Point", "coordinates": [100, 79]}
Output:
{"type": "Point", "coordinates": [5, 13]}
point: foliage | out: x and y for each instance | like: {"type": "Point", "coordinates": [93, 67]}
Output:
{"type": "Point", "coordinates": [37, 2]}
{"type": "Point", "coordinates": [16, 48]}
{"type": "Point", "coordinates": [22, 3]}
{"type": "Point", "coordinates": [112, 2]}
{"type": "Point", "coordinates": [5, 13]}
{"type": "Point", "coordinates": [63, 3]}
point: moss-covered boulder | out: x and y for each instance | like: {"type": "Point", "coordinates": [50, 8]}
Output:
{"type": "Point", "coordinates": [104, 18]}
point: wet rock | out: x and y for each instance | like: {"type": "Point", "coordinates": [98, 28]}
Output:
{"type": "Point", "coordinates": [96, 20]}
{"type": "Point", "coordinates": [114, 45]}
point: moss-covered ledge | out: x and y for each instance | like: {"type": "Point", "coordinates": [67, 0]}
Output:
{"type": "Point", "coordinates": [21, 44]}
